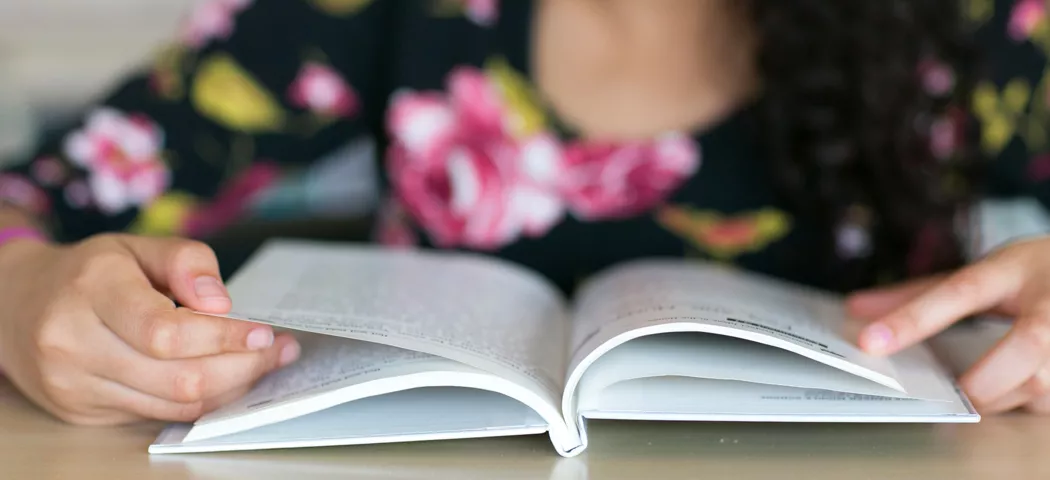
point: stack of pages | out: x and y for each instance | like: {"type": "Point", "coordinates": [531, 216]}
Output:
{"type": "Point", "coordinates": [403, 346]}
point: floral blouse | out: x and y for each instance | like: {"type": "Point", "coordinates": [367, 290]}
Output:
{"type": "Point", "coordinates": [257, 108]}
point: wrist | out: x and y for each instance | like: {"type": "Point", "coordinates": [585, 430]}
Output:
{"type": "Point", "coordinates": [15, 233]}
{"type": "Point", "coordinates": [16, 241]}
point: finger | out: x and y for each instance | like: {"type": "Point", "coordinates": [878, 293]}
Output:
{"type": "Point", "coordinates": [215, 403]}
{"type": "Point", "coordinates": [79, 402]}
{"type": "Point", "coordinates": [149, 322]}
{"type": "Point", "coordinates": [195, 380]}
{"type": "Point", "coordinates": [974, 289]}
{"type": "Point", "coordinates": [1039, 405]}
{"type": "Point", "coordinates": [1033, 388]}
{"type": "Point", "coordinates": [125, 399]}
{"type": "Point", "coordinates": [98, 417]}
{"type": "Point", "coordinates": [1018, 357]}
{"type": "Point", "coordinates": [1009, 402]}
{"type": "Point", "coordinates": [187, 268]}
{"type": "Point", "coordinates": [871, 304]}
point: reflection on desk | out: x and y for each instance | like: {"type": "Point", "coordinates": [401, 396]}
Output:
{"type": "Point", "coordinates": [32, 445]}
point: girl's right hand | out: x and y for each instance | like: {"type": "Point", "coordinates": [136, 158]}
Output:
{"type": "Point", "coordinates": [91, 334]}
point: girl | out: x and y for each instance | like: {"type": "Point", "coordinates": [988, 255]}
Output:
{"type": "Point", "coordinates": [832, 143]}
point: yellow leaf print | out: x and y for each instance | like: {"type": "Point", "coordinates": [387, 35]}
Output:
{"type": "Point", "coordinates": [1035, 134]}
{"type": "Point", "coordinates": [1016, 93]}
{"type": "Point", "coordinates": [447, 8]}
{"type": "Point", "coordinates": [979, 11]}
{"type": "Point", "coordinates": [1040, 36]}
{"type": "Point", "coordinates": [725, 237]}
{"type": "Point", "coordinates": [165, 215]}
{"type": "Point", "coordinates": [999, 115]}
{"type": "Point", "coordinates": [226, 93]}
{"type": "Point", "coordinates": [340, 7]}
{"type": "Point", "coordinates": [527, 114]}
{"type": "Point", "coordinates": [985, 99]}
{"type": "Point", "coordinates": [997, 131]}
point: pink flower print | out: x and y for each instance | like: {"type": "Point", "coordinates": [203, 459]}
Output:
{"type": "Point", "coordinates": [938, 79]}
{"type": "Point", "coordinates": [319, 89]}
{"type": "Point", "coordinates": [20, 192]}
{"type": "Point", "coordinates": [482, 12]}
{"type": "Point", "coordinates": [1025, 18]}
{"type": "Point", "coordinates": [460, 174]}
{"type": "Point", "coordinates": [422, 124]}
{"type": "Point", "coordinates": [122, 156]}
{"type": "Point", "coordinates": [604, 181]}
{"type": "Point", "coordinates": [477, 103]}
{"type": "Point", "coordinates": [211, 20]}
{"type": "Point", "coordinates": [232, 201]}
{"type": "Point", "coordinates": [461, 199]}
{"type": "Point", "coordinates": [536, 200]}
{"type": "Point", "coordinates": [48, 171]}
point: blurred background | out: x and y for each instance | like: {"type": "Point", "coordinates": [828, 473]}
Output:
{"type": "Point", "coordinates": [56, 55]}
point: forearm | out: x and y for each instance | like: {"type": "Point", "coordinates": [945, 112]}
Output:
{"type": "Point", "coordinates": [12, 219]}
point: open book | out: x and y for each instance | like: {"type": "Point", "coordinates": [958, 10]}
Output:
{"type": "Point", "coordinates": [405, 346]}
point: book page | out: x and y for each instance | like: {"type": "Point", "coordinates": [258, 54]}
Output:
{"type": "Point", "coordinates": [668, 296]}
{"type": "Point", "coordinates": [422, 414]}
{"type": "Point", "coordinates": [328, 363]}
{"type": "Point", "coordinates": [477, 311]}
{"type": "Point", "coordinates": [717, 357]}
{"type": "Point", "coordinates": [698, 399]}
{"type": "Point", "coordinates": [674, 397]}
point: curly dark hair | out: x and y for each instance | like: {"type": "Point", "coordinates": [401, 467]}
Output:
{"type": "Point", "coordinates": [847, 123]}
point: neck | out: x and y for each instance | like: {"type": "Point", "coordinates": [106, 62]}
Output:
{"type": "Point", "coordinates": [668, 22]}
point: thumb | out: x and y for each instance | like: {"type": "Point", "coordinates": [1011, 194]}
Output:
{"type": "Point", "coordinates": [186, 268]}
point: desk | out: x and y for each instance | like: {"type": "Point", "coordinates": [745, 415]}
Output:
{"type": "Point", "coordinates": [33, 446]}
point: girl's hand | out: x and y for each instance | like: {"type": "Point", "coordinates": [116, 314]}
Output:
{"type": "Point", "coordinates": [90, 334]}
{"type": "Point", "coordinates": [1013, 282]}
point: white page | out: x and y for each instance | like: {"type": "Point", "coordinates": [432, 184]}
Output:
{"type": "Point", "coordinates": [657, 296]}
{"type": "Point", "coordinates": [486, 314]}
{"type": "Point", "coordinates": [327, 364]}
{"type": "Point", "coordinates": [698, 399]}
{"type": "Point", "coordinates": [480, 312]}
{"type": "Point", "coordinates": [691, 399]}
{"type": "Point", "coordinates": [716, 357]}
{"type": "Point", "coordinates": [336, 373]}
{"type": "Point", "coordinates": [411, 415]}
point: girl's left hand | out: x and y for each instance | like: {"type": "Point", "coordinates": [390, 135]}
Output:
{"type": "Point", "coordinates": [1013, 282]}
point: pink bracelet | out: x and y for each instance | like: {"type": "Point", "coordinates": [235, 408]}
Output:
{"type": "Point", "coordinates": [19, 233]}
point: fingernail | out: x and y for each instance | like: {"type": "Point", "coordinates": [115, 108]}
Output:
{"type": "Point", "coordinates": [260, 338]}
{"type": "Point", "coordinates": [877, 338]}
{"type": "Point", "coordinates": [210, 289]}
{"type": "Point", "coordinates": [289, 354]}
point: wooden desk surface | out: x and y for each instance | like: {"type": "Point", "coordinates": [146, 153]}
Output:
{"type": "Point", "coordinates": [33, 446]}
